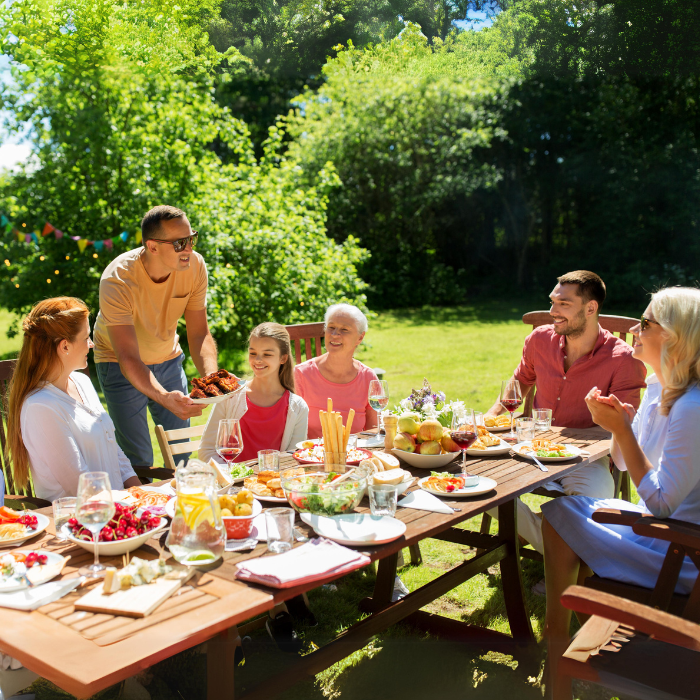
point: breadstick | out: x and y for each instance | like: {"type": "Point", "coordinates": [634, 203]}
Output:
{"type": "Point", "coordinates": [332, 444]}
{"type": "Point", "coordinates": [324, 428]}
{"type": "Point", "coordinates": [339, 433]}
{"type": "Point", "coordinates": [330, 406]}
{"type": "Point", "coordinates": [348, 428]}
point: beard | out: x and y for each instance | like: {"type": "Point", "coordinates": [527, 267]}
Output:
{"type": "Point", "coordinates": [574, 328]}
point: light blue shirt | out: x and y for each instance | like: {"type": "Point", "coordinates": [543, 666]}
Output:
{"type": "Point", "coordinates": [673, 487]}
{"type": "Point", "coordinates": [649, 426]}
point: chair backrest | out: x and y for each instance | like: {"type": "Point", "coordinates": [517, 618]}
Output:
{"type": "Point", "coordinates": [619, 325]}
{"type": "Point", "coordinates": [169, 451]}
{"type": "Point", "coordinates": [312, 334]}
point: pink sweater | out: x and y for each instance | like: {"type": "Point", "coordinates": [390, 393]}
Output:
{"type": "Point", "coordinates": [316, 390]}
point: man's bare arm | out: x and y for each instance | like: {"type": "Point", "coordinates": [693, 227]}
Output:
{"type": "Point", "coordinates": [126, 348]}
{"type": "Point", "coordinates": [201, 342]}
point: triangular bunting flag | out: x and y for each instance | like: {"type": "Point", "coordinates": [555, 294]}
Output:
{"type": "Point", "coordinates": [35, 236]}
{"type": "Point", "coordinates": [8, 227]}
{"type": "Point", "coordinates": [82, 244]}
{"type": "Point", "coordinates": [27, 237]}
{"type": "Point", "coordinates": [20, 235]}
{"type": "Point", "coordinates": [48, 228]}
{"type": "Point", "coordinates": [57, 233]}
{"type": "Point", "coordinates": [124, 235]}
{"type": "Point", "coordinates": [108, 243]}
{"type": "Point", "coordinates": [98, 245]}
{"type": "Point", "coordinates": [4, 220]}
{"type": "Point", "coordinates": [138, 236]}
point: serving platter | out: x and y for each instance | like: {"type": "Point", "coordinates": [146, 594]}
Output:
{"type": "Point", "coordinates": [36, 574]}
{"type": "Point", "coordinates": [501, 449]}
{"type": "Point", "coordinates": [356, 529]}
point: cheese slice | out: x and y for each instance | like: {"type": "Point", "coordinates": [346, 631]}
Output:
{"type": "Point", "coordinates": [389, 461]}
{"type": "Point", "coordinates": [393, 477]}
{"type": "Point", "coordinates": [111, 584]}
{"type": "Point", "coordinates": [223, 477]}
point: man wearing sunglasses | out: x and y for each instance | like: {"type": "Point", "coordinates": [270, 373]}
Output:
{"type": "Point", "coordinates": [563, 362]}
{"type": "Point", "coordinates": [143, 294]}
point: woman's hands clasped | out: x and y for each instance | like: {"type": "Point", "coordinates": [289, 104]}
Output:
{"type": "Point", "coordinates": [609, 412]}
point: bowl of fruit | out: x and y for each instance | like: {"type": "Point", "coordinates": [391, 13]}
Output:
{"type": "Point", "coordinates": [423, 444]}
{"type": "Point", "coordinates": [238, 511]}
{"type": "Point", "coordinates": [129, 528]}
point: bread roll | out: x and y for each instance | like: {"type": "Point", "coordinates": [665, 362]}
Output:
{"type": "Point", "coordinates": [393, 476]}
{"type": "Point", "coordinates": [389, 461]}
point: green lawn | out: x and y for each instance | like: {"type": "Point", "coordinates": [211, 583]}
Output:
{"type": "Point", "coordinates": [465, 352]}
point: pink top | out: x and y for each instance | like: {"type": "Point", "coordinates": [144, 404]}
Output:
{"type": "Point", "coordinates": [262, 427]}
{"type": "Point", "coordinates": [316, 390]}
{"type": "Point", "coordinates": [609, 366]}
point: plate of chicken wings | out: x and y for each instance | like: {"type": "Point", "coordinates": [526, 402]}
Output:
{"type": "Point", "coordinates": [215, 387]}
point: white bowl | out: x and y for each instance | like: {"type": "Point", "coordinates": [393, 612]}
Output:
{"type": "Point", "coordinates": [425, 461]}
{"type": "Point", "coordinates": [117, 547]}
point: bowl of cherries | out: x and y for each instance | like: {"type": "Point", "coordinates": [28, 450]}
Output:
{"type": "Point", "coordinates": [129, 528]}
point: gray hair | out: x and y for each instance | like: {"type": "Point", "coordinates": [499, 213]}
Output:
{"type": "Point", "coordinates": [349, 310]}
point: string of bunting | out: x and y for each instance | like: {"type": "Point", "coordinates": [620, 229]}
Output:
{"type": "Point", "coordinates": [48, 229]}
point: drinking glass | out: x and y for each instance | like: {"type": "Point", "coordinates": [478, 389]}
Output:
{"type": "Point", "coordinates": [463, 431]}
{"type": "Point", "coordinates": [511, 397]}
{"type": "Point", "coordinates": [525, 429]}
{"type": "Point", "coordinates": [280, 529]}
{"type": "Point", "coordinates": [543, 418]}
{"type": "Point", "coordinates": [378, 396]}
{"type": "Point", "coordinates": [382, 499]}
{"type": "Point", "coordinates": [63, 511]}
{"type": "Point", "coordinates": [229, 440]}
{"type": "Point", "coordinates": [268, 460]}
{"type": "Point", "coordinates": [94, 508]}
{"type": "Point", "coordinates": [352, 442]}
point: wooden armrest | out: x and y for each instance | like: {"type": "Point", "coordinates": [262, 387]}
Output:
{"type": "Point", "coordinates": [661, 625]}
{"type": "Point", "coordinates": [613, 516]}
{"type": "Point", "coordinates": [32, 502]}
{"type": "Point", "coordinates": [669, 530]}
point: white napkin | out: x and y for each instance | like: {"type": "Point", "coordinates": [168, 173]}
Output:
{"type": "Point", "coordinates": [33, 598]}
{"type": "Point", "coordinates": [314, 560]}
{"type": "Point", "coordinates": [422, 500]}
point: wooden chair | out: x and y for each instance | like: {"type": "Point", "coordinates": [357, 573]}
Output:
{"type": "Point", "coordinates": [170, 449]}
{"type": "Point", "coordinates": [632, 647]}
{"type": "Point", "coordinates": [684, 539]}
{"type": "Point", "coordinates": [14, 497]}
{"type": "Point", "coordinates": [620, 325]}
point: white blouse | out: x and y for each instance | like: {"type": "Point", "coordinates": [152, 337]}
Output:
{"type": "Point", "coordinates": [65, 438]}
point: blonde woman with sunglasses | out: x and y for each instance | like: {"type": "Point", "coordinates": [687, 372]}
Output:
{"type": "Point", "coordinates": [660, 447]}
{"type": "Point", "coordinates": [143, 294]}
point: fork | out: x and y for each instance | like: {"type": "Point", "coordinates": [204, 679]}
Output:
{"type": "Point", "coordinates": [539, 464]}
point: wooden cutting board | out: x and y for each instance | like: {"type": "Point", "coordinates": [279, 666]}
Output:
{"type": "Point", "coordinates": [137, 601]}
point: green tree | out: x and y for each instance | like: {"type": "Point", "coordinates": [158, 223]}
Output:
{"type": "Point", "coordinates": [121, 105]}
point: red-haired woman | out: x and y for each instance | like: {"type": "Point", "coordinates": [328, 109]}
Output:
{"type": "Point", "coordinates": [56, 424]}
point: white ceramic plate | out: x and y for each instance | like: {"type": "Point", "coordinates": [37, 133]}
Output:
{"type": "Point", "coordinates": [502, 449]}
{"type": "Point", "coordinates": [37, 574]}
{"type": "Point", "coordinates": [270, 499]}
{"type": "Point", "coordinates": [483, 486]}
{"type": "Point", "coordinates": [575, 452]}
{"type": "Point", "coordinates": [504, 429]}
{"type": "Point", "coordinates": [42, 522]}
{"type": "Point", "coordinates": [114, 549]}
{"type": "Point", "coordinates": [403, 485]}
{"type": "Point", "coordinates": [425, 461]}
{"type": "Point", "coordinates": [223, 397]}
{"type": "Point", "coordinates": [358, 529]}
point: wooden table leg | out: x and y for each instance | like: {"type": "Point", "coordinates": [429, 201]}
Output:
{"type": "Point", "coordinates": [511, 575]}
{"type": "Point", "coordinates": [220, 664]}
{"type": "Point", "coordinates": [384, 585]}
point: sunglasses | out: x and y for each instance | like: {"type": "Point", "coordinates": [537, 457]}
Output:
{"type": "Point", "coordinates": [181, 243]}
{"type": "Point", "coordinates": [645, 322]}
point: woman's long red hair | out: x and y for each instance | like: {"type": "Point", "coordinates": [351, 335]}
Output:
{"type": "Point", "coordinates": [46, 325]}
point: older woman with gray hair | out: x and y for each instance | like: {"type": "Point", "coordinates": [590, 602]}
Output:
{"type": "Point", "coordinates": [337, 374]}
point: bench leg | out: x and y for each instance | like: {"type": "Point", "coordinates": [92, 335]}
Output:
{"type": "Point", "coordinates": [416, 556]}
{"type": "Point", "coordinates": [221, 651]}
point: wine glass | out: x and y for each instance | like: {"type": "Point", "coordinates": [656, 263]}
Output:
{"type": "Point", "coordinates": [511, 397]}
{"type": "Point", "coordinates": [94, 508]}
{"type": "Point", "coordinates": [463, 431]}
{"type": "Point", "coordinates": [378, 396]}
{"type": "Point", "coordinates": [229, 439]}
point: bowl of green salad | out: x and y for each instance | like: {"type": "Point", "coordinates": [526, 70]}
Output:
{"type": "Point", "coordinates": [324, 490]}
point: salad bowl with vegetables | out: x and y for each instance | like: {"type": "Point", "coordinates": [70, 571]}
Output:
{"type": "Point", "coordinates": [319, 492]}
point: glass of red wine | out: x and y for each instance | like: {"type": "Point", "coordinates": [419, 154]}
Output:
{"type": "Point", "coordinates": [511, 397]}
{"type": "Point", "coordinates": [229, 441]}
{"type": "Point", "coordinates": [463, 431]}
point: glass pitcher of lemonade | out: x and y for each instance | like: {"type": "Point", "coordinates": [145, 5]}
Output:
{"type": "Point", "coordinates": [197, 535]}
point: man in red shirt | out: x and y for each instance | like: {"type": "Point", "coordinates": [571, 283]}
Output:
{"type": "Point", "coordinates": [563, 361]}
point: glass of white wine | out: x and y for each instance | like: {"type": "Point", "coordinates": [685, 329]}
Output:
{"type": "Point", "coordinates": [378, 397]}
{"type": "Point", "coordinates": [94, 508]}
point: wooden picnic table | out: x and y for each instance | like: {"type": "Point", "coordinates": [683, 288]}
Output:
{"type": "Point", "coordinates": [84, 653]}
